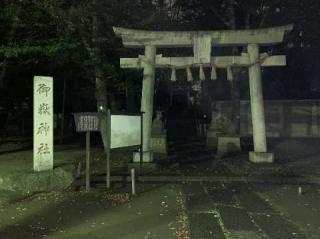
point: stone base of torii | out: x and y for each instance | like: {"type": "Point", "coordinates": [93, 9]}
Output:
{"type": "Point", "coordinates": [202, 43]}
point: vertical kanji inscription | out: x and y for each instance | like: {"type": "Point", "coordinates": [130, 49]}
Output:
{"type": "Point", "coordinates": [43, 123]}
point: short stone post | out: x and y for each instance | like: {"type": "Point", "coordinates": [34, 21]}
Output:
{"type": "Point", "coordinates": [133, 182]}
{"type": "Point", "coordinates": [257, 108]}
{"type": "Point", "coordinates": [147, 102]}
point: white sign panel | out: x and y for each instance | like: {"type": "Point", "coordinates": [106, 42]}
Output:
{"type": "Point", "coordinates": [42, 123]}
{"type": "Point", "coordinates": [125, 130]}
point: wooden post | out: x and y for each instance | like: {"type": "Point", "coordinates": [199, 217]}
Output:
{"type": "Point", "coordinates": [141, 144]}
{"type": "Point", "coordinates": [108, 169]}
{"type": "Point", "coordinates": [88, 161]}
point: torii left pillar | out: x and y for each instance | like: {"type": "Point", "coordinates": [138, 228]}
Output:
{"type": "Point", "coordinates": [147, 103]}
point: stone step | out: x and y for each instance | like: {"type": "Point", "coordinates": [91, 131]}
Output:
{"type": "Point", "coordinates": [187, 150]}
{"type": "Point", "coordinates": [186, 145]}
{"type": "Point", "coordinates": [195, 158]}
{"type": "Point", "coordinates": [193, 152]}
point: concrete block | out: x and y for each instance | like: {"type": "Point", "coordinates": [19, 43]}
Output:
{"type": "Point", "coordinates": [212, 142]}
{"type": "Point", "coordinates": [159, 144]}
{"type": "Point", "coordinates": [213, 133]}
{"type": "Point", "coordinates": [212, 138]}
{"type": "Point", "coordinates": [147, 157]}
{"type": "Point", "coordinates": [228, 144]}
{"type": "Point", "coordinates": [257, 157]}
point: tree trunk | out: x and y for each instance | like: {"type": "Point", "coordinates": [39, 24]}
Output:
{"type": "Point", "coordinates": [11, 34]}
{"type": "Point", "coordinates": [130, 96]}
{"type": "Point", "coordinates": [235, 89]}
{"type": "Point", "coordinates": [3, 72]}
{"type": "Point", "coordinates": [102, 105]}
{"type": "Point", "coordinates": [101, 89]}
{"type": "Point", "coordinates": [63, 107]}
{"type": "Point", "coordinates": [100, 80]}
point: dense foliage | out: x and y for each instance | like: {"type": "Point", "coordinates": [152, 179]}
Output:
{"type": "Point", "coordinates": [73, 41]}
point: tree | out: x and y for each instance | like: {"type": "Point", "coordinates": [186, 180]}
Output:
{"type": "Point", "coordinates": [251, 14]}
{"type": "Point", "coordinates": [85, 27]}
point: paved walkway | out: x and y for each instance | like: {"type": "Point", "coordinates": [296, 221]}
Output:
{"type": "Point", "coordinates": [211, 210]}
{"type": "Point", "coordinates": [98, 214]}
{"type": "Point", "coordinates": [241, 210]}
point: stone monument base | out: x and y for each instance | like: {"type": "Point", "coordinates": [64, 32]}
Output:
{"type": "Point", "coordinates": [212, 139]}
{"type": "Point", "coordinates": [159, 144]}
{"type": "Point", "coordinates": [27, 182]}
{"type": "Point", "coordinates": [257, 157]}
{"type": "Point", "coordinates": [147, 157]}
{"type": "Point", "coordinates": [212, 142]}
{"type": "Point", "coordinates": [228, 144]}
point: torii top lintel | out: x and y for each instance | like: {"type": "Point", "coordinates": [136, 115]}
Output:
{"type": "Point", "coordinates": [167, 39]}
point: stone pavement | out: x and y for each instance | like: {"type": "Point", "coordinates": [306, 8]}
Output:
{"type": "Point", "coordinates": [152, 214]}
{"type": "Point", "coordinates": [243, 210]}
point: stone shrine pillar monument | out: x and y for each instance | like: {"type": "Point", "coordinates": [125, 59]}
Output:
{"type": "Point", "coordinates": [202, 42]}
{"type": "Point", "coordinates": [42, 123]}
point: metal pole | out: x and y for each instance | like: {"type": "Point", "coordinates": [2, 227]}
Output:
{"type": "Point", "coordinates": [108, 169]}
{"type": "Point", "coordinates": [108, 149]}
{"type": "Point", "coordinates": [88, 161]}
{"type": "Point", "coordinates": [141, 146]}
{"type": "Point", "coordinates": [63, 110]}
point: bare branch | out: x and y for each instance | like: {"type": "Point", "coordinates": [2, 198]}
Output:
{"type": "Point", "coordinates": [222, 19]}
{"type": "Point", "coordinates": [87, 46]}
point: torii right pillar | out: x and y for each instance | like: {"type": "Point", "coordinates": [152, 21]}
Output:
{"type": "Point", "coordinates": [260, 154]}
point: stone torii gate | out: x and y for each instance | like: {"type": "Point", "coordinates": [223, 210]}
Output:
{"type": "Point", "coordinates": [202, 43]}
